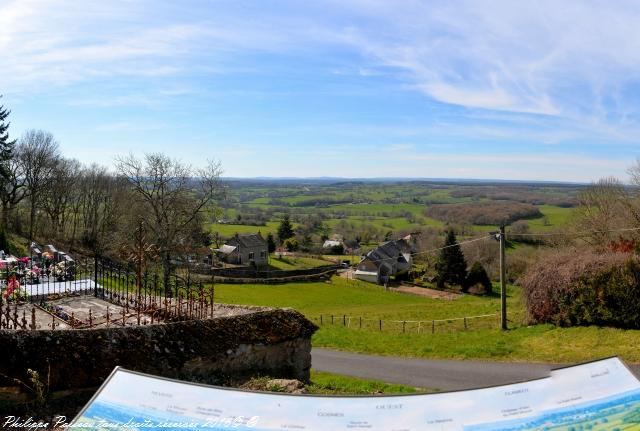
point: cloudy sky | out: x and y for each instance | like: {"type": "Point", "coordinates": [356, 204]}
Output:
{"type": "Point", "coordinates": [350, 88]}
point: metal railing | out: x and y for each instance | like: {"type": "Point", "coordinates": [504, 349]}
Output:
{"type": "Point", "coordinates": [35, 291]}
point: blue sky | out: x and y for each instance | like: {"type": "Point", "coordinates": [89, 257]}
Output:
{"type": "Point", "coordinates": [362, 88]}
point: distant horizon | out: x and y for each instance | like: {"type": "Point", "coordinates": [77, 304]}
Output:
{"type": "Point", "coordinates": [438, 89]}
{"type": "Point", "coordinates": [406, 179]}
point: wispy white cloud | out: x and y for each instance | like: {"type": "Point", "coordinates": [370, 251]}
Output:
{"type": "Point", "coordinates": [60, 42]}
{"type": "Point", "coordinates": [574, 59]}
{"type": "Point", "coordinates": [492, 71]}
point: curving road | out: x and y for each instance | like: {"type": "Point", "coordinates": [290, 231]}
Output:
{"type": "Point", "coordinates": [445, 375]}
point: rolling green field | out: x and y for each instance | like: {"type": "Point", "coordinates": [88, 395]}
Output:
{"type": "Point", "coordinates": [389, 223]}
{"type": "Point", "coordinates": [556, 218]}
{"type": "Point", "coordinates": [351, 207]}
{"type": "Point", "coordinates": [228, 230]}
{"type": "Point", "coordinates": [542, 343]}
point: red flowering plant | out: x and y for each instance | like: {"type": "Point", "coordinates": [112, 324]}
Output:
{"type": "Point", "coordinates": [12, 290]}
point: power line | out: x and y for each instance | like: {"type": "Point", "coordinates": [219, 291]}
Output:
{"type": "Point", "coordinates": [575, 234]}
{"type": "Point", "coordinates": [497, 236]}
{"type": "Point", "coordinates": [437, 249]}
{"type": "Point", "coordinates": [453, 245]}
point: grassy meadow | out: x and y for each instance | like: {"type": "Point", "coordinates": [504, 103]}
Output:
{"type": "Point", "coordinates": [538, 343]}
{"type": "Point", "coordinates": [373, 211]}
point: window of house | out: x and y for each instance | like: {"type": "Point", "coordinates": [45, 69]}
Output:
{"type": "Point", "coordinates": [263, 254]}
{"type": "Point", "coordinates": [251, 255]}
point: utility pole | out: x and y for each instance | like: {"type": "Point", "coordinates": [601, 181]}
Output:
{"type": "Point", "coordinates": [503, 281]}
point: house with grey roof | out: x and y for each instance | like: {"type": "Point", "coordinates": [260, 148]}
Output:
{"type": "Point", "coordinates": [389, 259]}
{"type": "Point", "coordinates": [245, 249]}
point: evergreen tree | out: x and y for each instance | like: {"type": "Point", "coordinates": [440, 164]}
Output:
{"type": "Point", "coordinates": [6, 145]}
{"type": "Point", "coordinates": [285, 230]}
{"type": "Point", "coordinates": [271, 243]}
{"type": "Point", "coordinates": [478, 275]}
{"type": "Point", "coordinates": [451, 266]}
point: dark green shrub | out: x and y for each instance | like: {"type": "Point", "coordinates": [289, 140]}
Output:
{"type": "Point", "coordinates": [337, 249]}
{"type": "Point", "coordinates": [478, 277]}
{"type": "Point", "coordinates": [608, 298]}
{"type": "Point", "coordinates": [585, 288]}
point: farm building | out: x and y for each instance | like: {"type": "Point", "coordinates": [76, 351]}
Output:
{"type": "Point", "coordinates": [390, 258]}
{"type": "Point", "coordinates": [245, 249]}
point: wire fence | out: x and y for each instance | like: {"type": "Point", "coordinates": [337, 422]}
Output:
{"type": "Point", "coordinates": [485, 321]}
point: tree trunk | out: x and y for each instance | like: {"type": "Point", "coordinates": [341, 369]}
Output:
{"type": "Point", "coordinates": [75, 227]}
{"type": "Point", "coordinates": [5, 216]}
{"type": "Point", "coordinates": [166, 273]}
{"type": "Point", "coordinates": [32, 218]}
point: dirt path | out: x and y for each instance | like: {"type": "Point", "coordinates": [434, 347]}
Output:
{"type": "Point", "coordinates": [429, 293]}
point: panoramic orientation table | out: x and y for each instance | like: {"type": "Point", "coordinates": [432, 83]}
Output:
{"type": "Point", "coordinates": [602, 394]}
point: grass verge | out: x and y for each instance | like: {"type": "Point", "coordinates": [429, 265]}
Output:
{"type": "Point", "coordinates": [340, 297]}
{"type": "Point", "coordinates": [336, 384]}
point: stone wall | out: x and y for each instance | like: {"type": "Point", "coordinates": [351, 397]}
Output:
{"type": "Point", "coordinates": [274, 342]}
{"type": "Point", "coordinates": [227, 273]}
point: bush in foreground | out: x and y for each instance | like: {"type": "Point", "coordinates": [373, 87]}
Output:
{"type": "Point", "coordinates": [577, 287]}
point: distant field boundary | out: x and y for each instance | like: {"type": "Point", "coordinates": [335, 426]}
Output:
{"type": "Point", "coordinates": [433, 326]}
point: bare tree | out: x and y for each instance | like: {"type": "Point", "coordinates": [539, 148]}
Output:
{"type": "Point", "coordinates": [14, 189]}
{"type": "Point", "coordinates": [102, 199]}
{"type": "Point", "coordinates": [604, 206]}
{"type": "Point", "coordinates": [174, 194]}
{"type": "Point", "coordinates": [634, 173]}
{"type": "Point", "coordinates": [58, 196]}
{"type": "Point", "coordinates": [39, 154]}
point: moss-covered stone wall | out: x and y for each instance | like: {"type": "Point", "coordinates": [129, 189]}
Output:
{"type": "Point", "coordinates": [273, 342]}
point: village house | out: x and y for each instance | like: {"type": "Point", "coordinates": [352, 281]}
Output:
{"type": "Point", "coordinates": [330, 243]}
{"type": "Point", "coordinates": [389, 259]}
{"type": "Point", "coordinates": [245, 249]}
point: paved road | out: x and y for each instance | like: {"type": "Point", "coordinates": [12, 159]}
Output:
{"type": "Point", "coordinates": [446, 375]}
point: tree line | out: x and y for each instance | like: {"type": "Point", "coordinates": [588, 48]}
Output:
{"type": "Point", "coordinates": [45, 196]}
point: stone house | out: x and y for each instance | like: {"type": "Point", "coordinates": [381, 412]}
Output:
{"type": "Point", "coordinates": [245, 249]}
{"type": "Point", "coordinates": [389, 259]}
